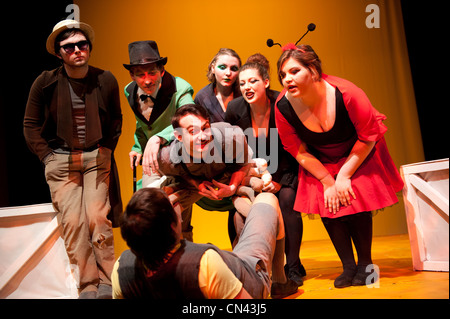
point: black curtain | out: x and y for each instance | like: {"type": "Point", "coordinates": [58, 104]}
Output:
{"type": "Point", "coordinates": [426, 32]}
{"type": "Point", "coordinates": [25, 27]}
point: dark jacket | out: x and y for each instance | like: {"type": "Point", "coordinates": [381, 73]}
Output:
{"type": "Point", "coordinates": [173, 94]}
{"type": "Point", "coordinates": [207, 98]}
{"type": "Point", "coordinates": [238, 113]}
{"type": "Point", "coordinates": [48, 119]}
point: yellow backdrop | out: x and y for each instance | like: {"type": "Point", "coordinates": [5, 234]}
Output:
{"type": "Point", "coordinates": [189, 33]}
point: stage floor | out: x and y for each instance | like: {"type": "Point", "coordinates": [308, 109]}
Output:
{"type": "Point", "coordinates": [398, 280]}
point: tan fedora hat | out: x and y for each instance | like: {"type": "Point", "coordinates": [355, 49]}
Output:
{"type": "Point", "coordinates": [64, 25]}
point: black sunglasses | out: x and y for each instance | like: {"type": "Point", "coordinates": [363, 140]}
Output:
{"type": "Point", "coordinates": [69, 48]}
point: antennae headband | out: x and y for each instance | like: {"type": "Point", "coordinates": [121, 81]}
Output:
{"type": "Point", "coordinates": [291, 46]}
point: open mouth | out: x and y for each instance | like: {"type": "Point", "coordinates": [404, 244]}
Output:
{"type": "Point", "coordinates": [249, 95]}
{"type": "Point", "coordinates": [201, 146]}
{"type": "Point", "coordinates": [292, 87]}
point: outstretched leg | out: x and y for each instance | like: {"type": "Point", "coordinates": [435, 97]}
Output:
{"type": "Point", "coordinates": [262, 242]}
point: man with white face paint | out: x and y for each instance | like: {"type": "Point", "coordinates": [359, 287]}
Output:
{"type": "Point", "coordinates": [153, 95]}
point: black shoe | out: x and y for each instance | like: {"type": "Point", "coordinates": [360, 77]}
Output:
{"type": "Point", "coordinates": [295, 277]}
{"type": "Point", "coordinates": [302, 270]}
{"type": "Point", "coordinates": [361, 277]}
{"type": "Point", "coordinates": [295, 274]}
{"type": "Point", "coordinates": [279, 290]}
{"type": "Point", "coordinates": [345, 279]}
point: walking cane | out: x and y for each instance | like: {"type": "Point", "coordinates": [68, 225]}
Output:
{"type": "Point", "coordinates": [134, 174]}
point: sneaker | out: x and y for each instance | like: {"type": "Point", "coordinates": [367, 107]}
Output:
{"type": "Point", "coordinates": [279, 290]}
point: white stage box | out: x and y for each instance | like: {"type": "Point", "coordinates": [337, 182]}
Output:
{"type": "Point", "coordinates": [33, 259]}
{"type": "Point", "coordinates": [426, 197]}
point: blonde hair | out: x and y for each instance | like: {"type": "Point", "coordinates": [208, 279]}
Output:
{"type": "Point", "coordinates": [222, 51]}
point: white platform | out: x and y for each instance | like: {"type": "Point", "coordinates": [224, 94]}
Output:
{"type": "Point", "coordinates": [33, 259]}
{"type": "Point", "coordinates": [426, 198]}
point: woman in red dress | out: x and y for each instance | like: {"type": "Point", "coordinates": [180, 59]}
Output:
{"type": "Point", "coordinates": [329, 125]}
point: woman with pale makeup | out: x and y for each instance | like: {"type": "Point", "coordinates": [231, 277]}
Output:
{"type": "Point", "coordinates": [222, 75]}
{"type": "Point", "coordinates": [254, 113]}
{"type": "Point", "coordinates": [329, 125]}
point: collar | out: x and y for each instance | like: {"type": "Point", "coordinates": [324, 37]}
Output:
{"type": "Point", "coordinates": [141, 92]}
{"type": "Point", "coordinates": [149, 273]}
{"type": "Point", "coordinates": [163, 97]}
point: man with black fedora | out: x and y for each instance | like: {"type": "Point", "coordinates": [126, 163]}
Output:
{"type": "Point", "coordinates": [72, 122]}
{"type": "Point", "coordinates": [154, 95]}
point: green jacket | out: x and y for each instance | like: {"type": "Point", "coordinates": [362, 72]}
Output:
{"type": "Point", "coordinates": [174, 93]}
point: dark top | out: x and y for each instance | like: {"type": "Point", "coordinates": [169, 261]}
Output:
{"type": "Point", "coordinates": [285, 168]}
{"type": "Point", "coordinates": [48, 122]}
{"type": "Point", "coordinates": [207, 98]}
{"type": "Point", "coordinates": [178, 277]}
{"type": "Point", "coordinates": [343, 130]}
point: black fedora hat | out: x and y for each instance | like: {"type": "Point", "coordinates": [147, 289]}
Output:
{"type": "Point", "coordinates": [142, 53]}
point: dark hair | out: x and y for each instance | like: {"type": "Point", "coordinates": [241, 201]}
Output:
{"type": "Point", "coordinates": [146, 226]}
{"type": "Point", "coordinates": [308, 58]}
{"type": "Point", "coordinates": [194, 109]}
{"type": "Point", "coordinates": [260, 63]}
{"type": "Point", "coordinates": [67, 34]}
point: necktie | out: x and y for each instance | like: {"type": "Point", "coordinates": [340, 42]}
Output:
{"type": "Point", "coordinates": [144, 97]}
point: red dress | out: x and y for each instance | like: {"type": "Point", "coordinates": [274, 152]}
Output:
{"type": "Point", "coordinates": [375, 182]}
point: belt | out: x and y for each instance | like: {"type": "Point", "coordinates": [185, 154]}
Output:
{"type": "Point", "coordinates": [89, 149]}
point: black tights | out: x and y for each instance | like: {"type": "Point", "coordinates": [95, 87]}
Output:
{"type": "Point", "coordinates": [231, 227]}
{"type": "Point", "coordinates": [293, 225]}
{"type": "Point", "coordinates": [343, 230]}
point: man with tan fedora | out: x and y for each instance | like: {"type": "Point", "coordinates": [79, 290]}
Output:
{"type": "Point", "coordinates": [72, 123]}
{"type": "Point", "coordinates": [154, 95]}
